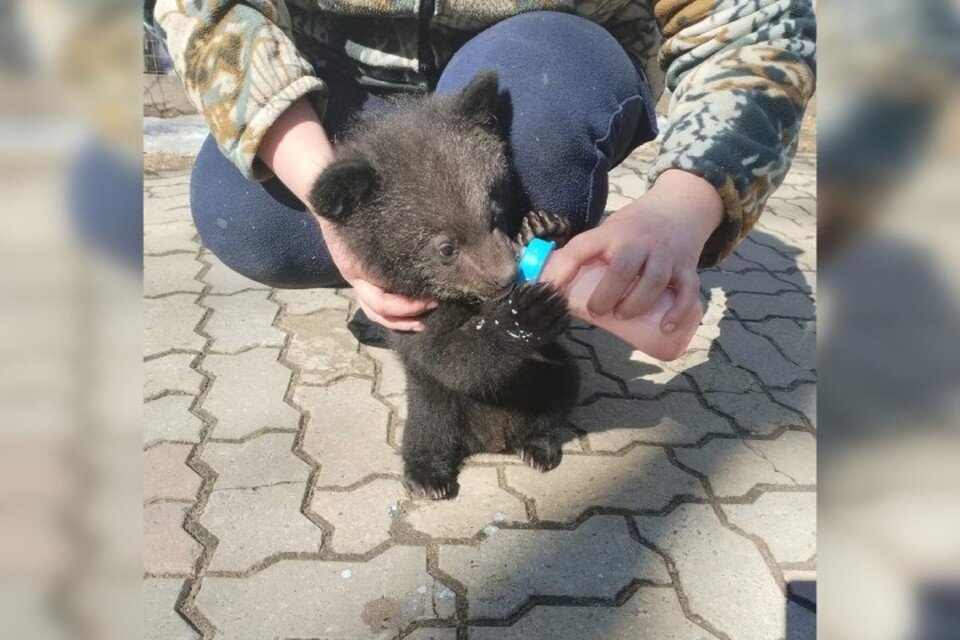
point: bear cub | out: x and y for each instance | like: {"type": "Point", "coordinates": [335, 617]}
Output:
{"type": "Point", "coordinates": [420, 195]}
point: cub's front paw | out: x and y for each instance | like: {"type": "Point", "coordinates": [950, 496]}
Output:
{"type": "Point", "coordinates": [546, 226]}
{"type": "Point", "coordinates": [534, 314]}
{"type": "Point", "coordinates": [431, 484]}
{"type": "Point", "coordinates": [543, 454]}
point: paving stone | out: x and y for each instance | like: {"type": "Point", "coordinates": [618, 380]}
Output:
{"type": "Point", "coordinates": [505, 569]}
{"type": "Point", "coordinates": [391, 380]}
{"type": "Point", "coordinates": [432, 634]}
{"type": "Point", "coordinates": [166, 274]}
{"type": "Point", "coordinates": [223, 279]}
{"type": "Point", "coordinates": [652, 612]}
{"type": "Point", "coordinates": [806, 280]}
{"type": "Point", "coordinates": [803, 399]}
{"type": "Point", "coordinates": [323, 347]}
{"type": "Point", "coordinates": [241, 321]}
{"type": "Point", "coordinates": [750, 282]}
{"type": "Point", "coordinates": [789, 304]}
{"type": "Point", "coordinates": [642, 374]}
{"type": "Point", "coordinates": [797, 339]}
{"type": "Point", "coordinates": [170, 373]}
{"type": "Point", "coordinates": [756, 354]}
{"type": "Point", "coordinates": [724, 578]}
{"type": "Point", "coordinates": [160, 619]}
{"type": "Point", "coordinates": [165, 238]}
{"type": "Point", "coordinates": [255, 524]}
{"type": "Point", "coordinates": [676, 418]}
{"type": "Point", "coordinates": [264, 460]}
{"type": "Point", "coordinates": [712, 372]}
{"type": "Point", "coordinates": [641, 479]}
{"type": "Point", "coordinates": [787, 522]}
{"type": "Point", "coordinates": [346, 432]}
{"type": "Point", "coordinates": [306, 301]}
{"type": "Point", "coordinates": [736, 466]}
{"type": "Point", "coordinates": [592, 382]}
{"type": "Point", "coordinates": [169, 323]}
{"type": "Point", "coordinates": [753, 411]}
{"type": "Point", "coordinates": [247, 393]}
{"type": "Point", "coordinates": [166, 474]}
{"type": "Point", "coordinates": [360, 518]}
{"type": "Point", "coordinates": [480, 502]}
{"type": "Point", "coordinates": [576, 349]}
{"type": "Point", "coordinates": [764, 256]}
{"type": "Point", "coordinates": [167, 547]}
{"type": "Point", "coordinates": [630, 185]}
{"type": "Point", "coordinates": [167, 206]}
{"type": "Point", "coordinates": [363, 601]}
{"type": "Point", "coordinates": [169, 418]}
{"type": "Point", "coordinates": [615, 201]}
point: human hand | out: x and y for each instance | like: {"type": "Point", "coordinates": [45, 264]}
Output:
{"type": "Point", "coordinates": [650, 244]}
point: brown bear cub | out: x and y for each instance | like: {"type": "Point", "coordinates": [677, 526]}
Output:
{"type": "Point", "coordinates": [419, 195]}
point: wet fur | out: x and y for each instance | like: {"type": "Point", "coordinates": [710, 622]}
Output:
{"type": "Point", "coordinates": [487, 374]}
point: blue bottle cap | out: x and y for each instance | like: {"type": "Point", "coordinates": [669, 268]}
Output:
{"type": "Point", "coordinates": [533, 259]}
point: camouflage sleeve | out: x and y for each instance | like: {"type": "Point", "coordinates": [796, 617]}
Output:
{"type": "Point", "coordinates": [240, 69]}
{"type": "Point", "coordinates": [741, 73]}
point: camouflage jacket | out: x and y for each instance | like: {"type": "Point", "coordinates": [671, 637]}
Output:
{"type": "Point", "coordinates": [740, 72]}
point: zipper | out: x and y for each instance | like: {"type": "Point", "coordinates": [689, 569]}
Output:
{"type": "Point", "coordinates": [428, 63]}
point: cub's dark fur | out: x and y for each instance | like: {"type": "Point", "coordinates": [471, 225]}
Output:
{"type": "Point", "coordinates": [418, 195]}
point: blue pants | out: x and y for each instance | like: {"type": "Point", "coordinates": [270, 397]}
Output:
{"type": "Point", "coordinates": [579, 105]}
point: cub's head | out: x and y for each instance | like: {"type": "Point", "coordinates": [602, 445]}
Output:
{"type": "Point", "coordinates": [419, 194]}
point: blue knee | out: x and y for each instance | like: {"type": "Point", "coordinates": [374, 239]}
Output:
{"type": "Point", "coordinates": [259, 230]}
{"type": "Point", "coordinates": [575, 105]}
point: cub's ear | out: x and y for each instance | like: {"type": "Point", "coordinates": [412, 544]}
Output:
{"type": "Point", "coordinates": [342, 187]}
{"type": "Point", "coordinates": [480, 100]}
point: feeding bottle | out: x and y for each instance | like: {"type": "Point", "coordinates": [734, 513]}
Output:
{"type": "Point", "coordinates": [643, 332]}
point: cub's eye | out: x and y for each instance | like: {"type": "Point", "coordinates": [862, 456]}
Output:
{"type": "Point", "coordinates": [447, 250]}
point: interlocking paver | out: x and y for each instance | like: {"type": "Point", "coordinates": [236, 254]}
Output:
{"type": "Point", "coordinates": [166, 238]}
{"type": "Point", "coordinates": [756, 354]}
{"type": "Point", "coordinates": [166, 474]}
{"type": "Point", "coordinates": [323, 347]}
{"type": "Point", "coordinates": [346, 432]}
{"type": "Point", "coordinates": [306, 301]}
{"type": "Point", "coordinates": [167, 274]}
{"type": "Point", "coordinates": [734, 467]}
{"type": "Point", "coordinates": [432, 634]}
{"type": "Point", "coordinates": [241, 321]}
{"type": "Point", "coordinates": [642, 374]}
{"type": "Point", "coordinates": [263, 460]}
{"type": "Point", "coordinates": [370, 600]}
{"type": "Point", "coordinates": [643, 479]}
{"type": "Point", "coordinates": [753, 411]}
{"type": "Point", "coordinates": [480, 503]}
{"type": "Point", "coordinates": [803, 399]}
{"type": "Point", "coordinates": [223, 279]}
{"type": "Point", "coordinates": [676, 418]}
{"type": "Point", "coordinates": [723, 576]}
{"type": "Point", "coordinates": [751, 282]}
{"type": "Point", "coordinates": [171, 373]}
{"type": "Point", "coordinates": [797, 339]}
{"type": "Point", "coordinates": [247, 393]}
{"type": "Point", "coordinates": [168, 206]}
{"type": "Point", "coordinates": [652, 612]}
{"type": "Point", "coordinates": [255, 524]}
{"type": "Point", "coordinates": [169, 323]}
{"type": "Point", "coordinates": [160, 620]}
{"type": "Point", "coordinates": [506, 568]}
{"type": "Point", "coordinates": [758, 306]}
{"type": "Point", "coordinates": [167, 547]}
{"type": "Point", "coordinates": [360, 518]}
{"type": "Point", "coordinates": [786, 521]}
{"type": "Point", "coordinates": [169, 418]}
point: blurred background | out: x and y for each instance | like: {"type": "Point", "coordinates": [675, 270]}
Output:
{"type": "Point", "coordinates": [79, 80]}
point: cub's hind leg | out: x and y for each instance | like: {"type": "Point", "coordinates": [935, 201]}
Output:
{"type": "Point", "coordinates": [541, 448]}
{"type": "Point", "coordinates": [432, 451]}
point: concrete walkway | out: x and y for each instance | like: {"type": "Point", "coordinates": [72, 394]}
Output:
{"type": "Point", "coordinates": [684, 507]}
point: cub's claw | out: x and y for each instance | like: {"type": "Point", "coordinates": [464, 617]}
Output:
{"type": "Point", "coordinates": [546, 226]}
{"type": "Point", "coordinates": [543, 454]}
{"type": "Point", "coordinates": [432, 485]}
{"type": "Point", "coordinates": [536, 314]}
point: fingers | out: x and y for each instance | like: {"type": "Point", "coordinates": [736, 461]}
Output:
{"type": "Point", "coordinates": [389, 309]}
{"type": "Point", "coordinates": [687, 285]}
{"type": "Point", "coordinates": [564, 263]}
{"type": "Point", "coordinates": [653, 280]}
{"type": "Point", "coordinates": [620, 274]}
